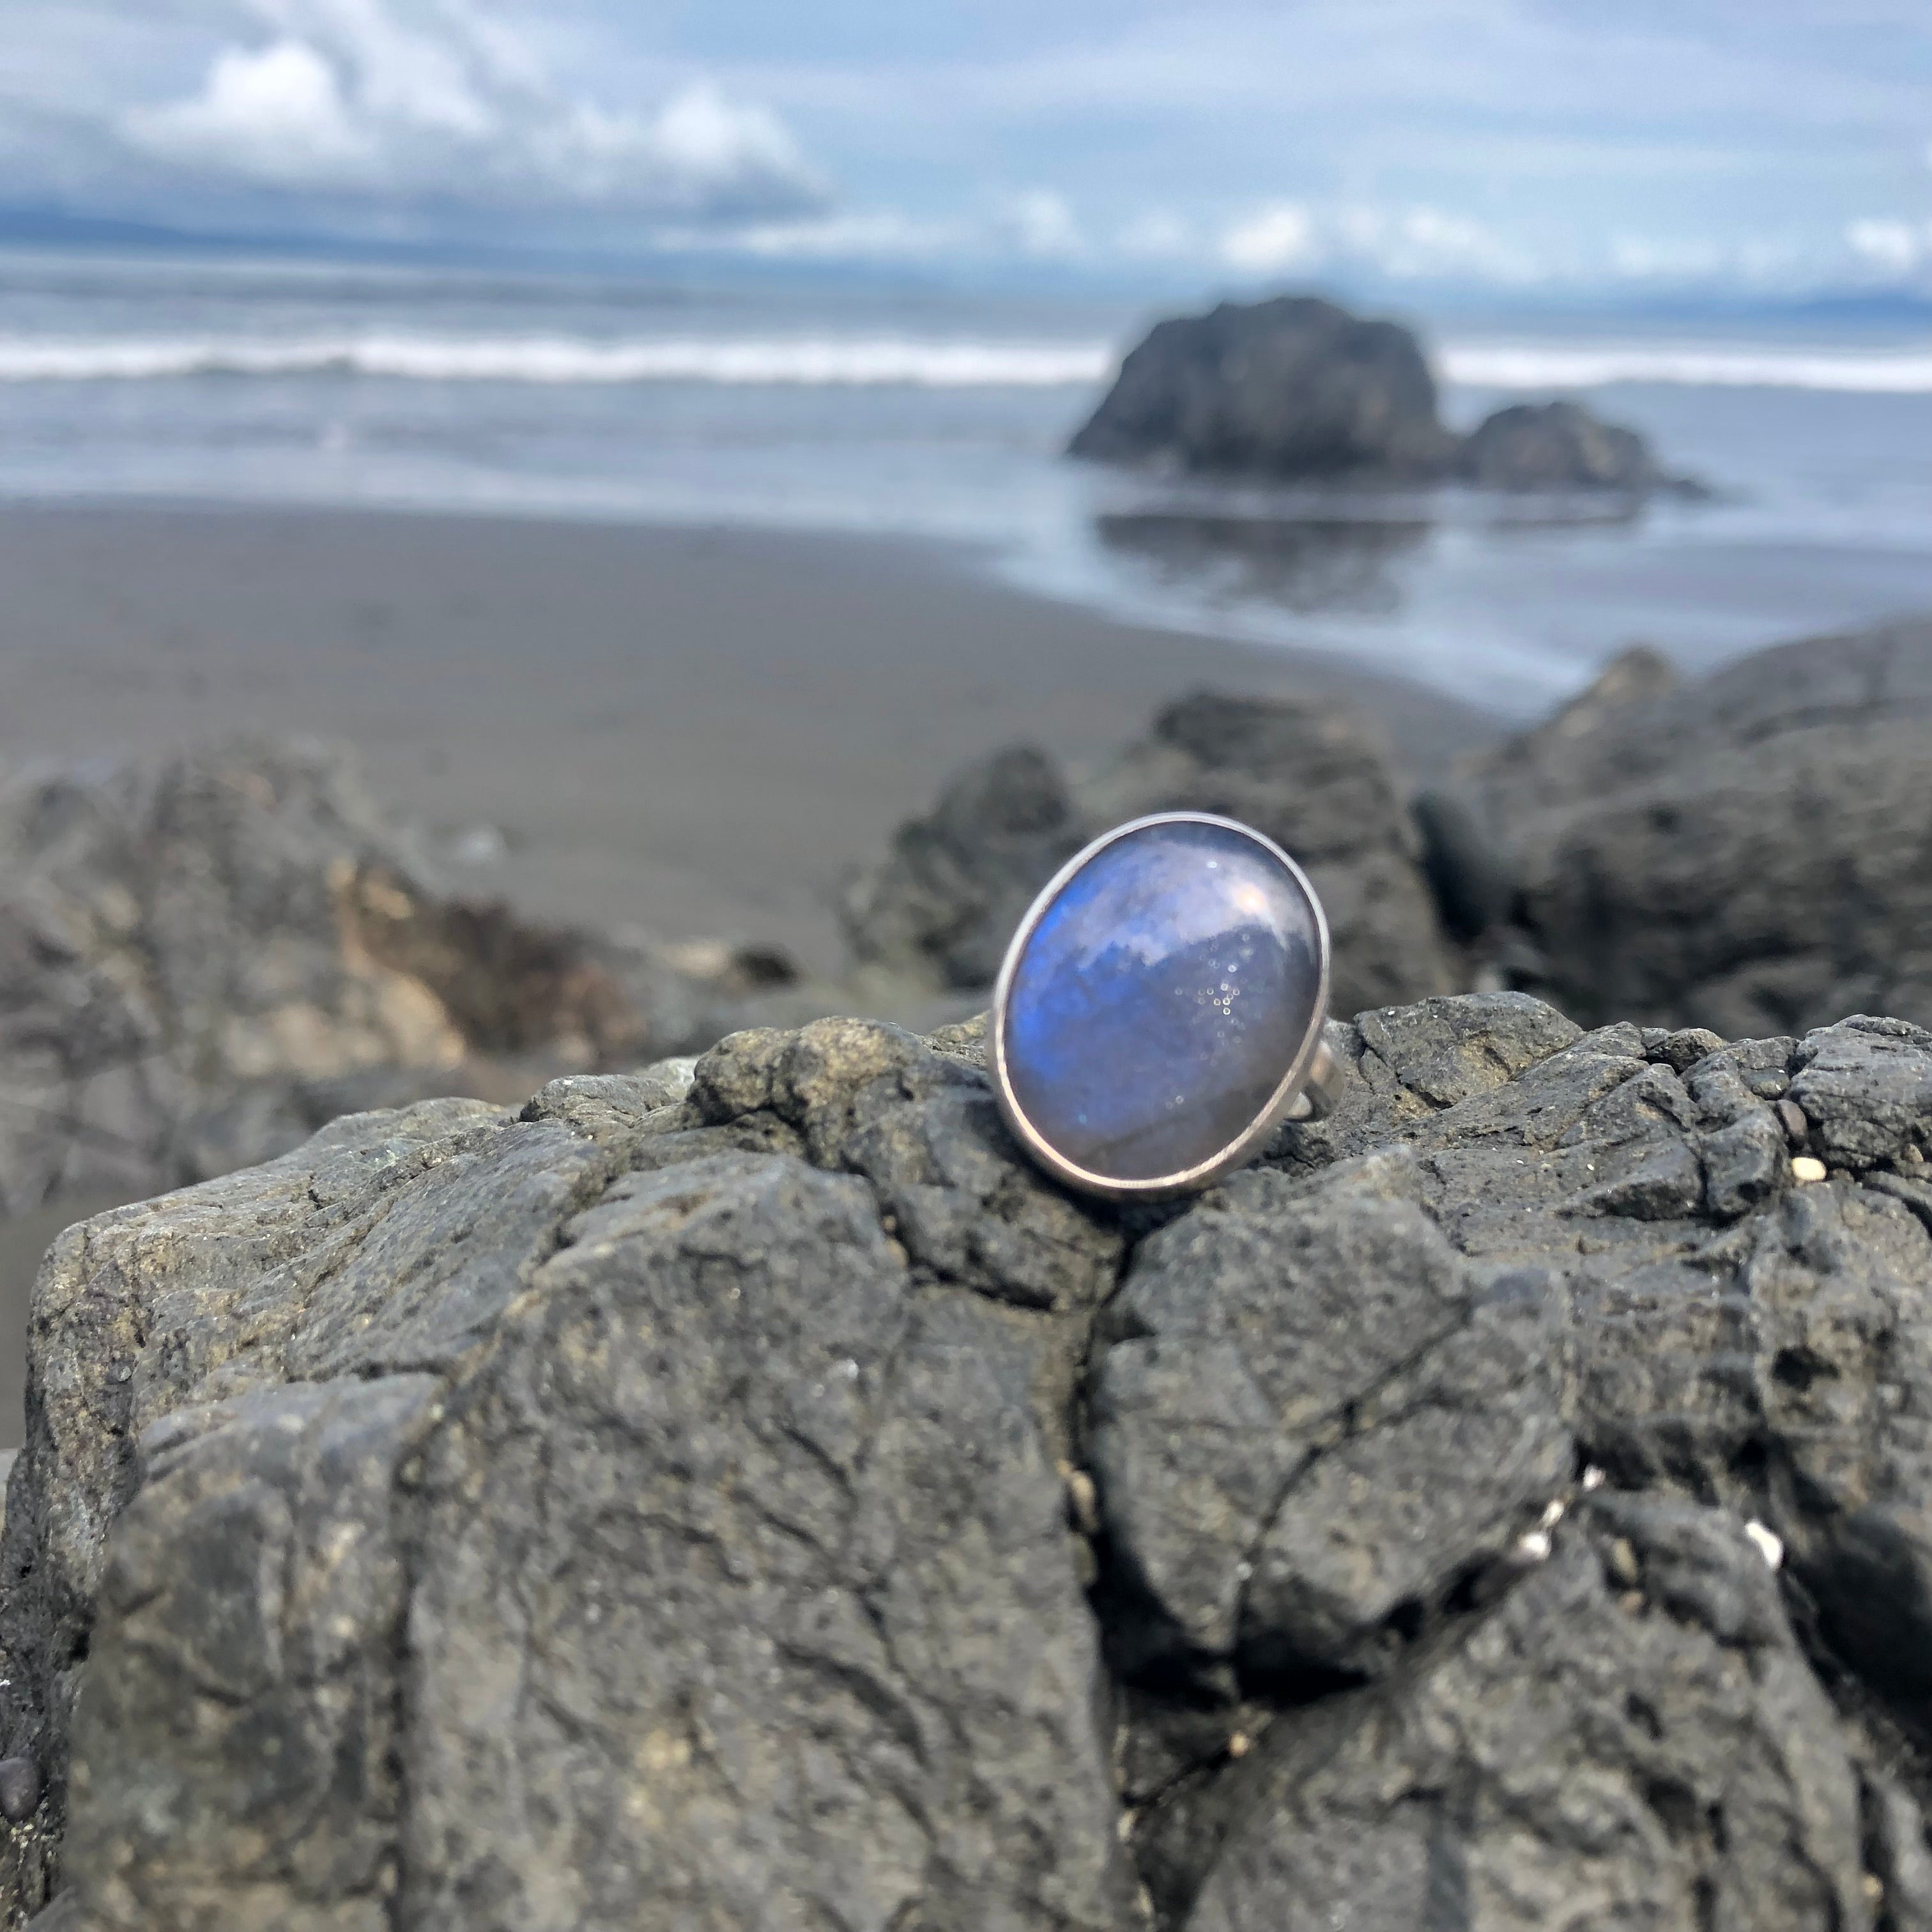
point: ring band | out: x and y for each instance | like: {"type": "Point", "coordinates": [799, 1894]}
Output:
{"type": "Point", "coordinates": [1322, 1089]}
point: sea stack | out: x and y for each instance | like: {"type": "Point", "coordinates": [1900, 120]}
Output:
{"type": "Point", "coordinates": [1296, 389]}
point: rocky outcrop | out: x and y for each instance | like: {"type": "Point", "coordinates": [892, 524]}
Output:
{"type": "Point", "coordinates": [1559, 446]}
{"type": "Point", "coordinates": [202, 962]}
{"type": "Point", "coordinates": [942, 905]}
{"type": "Point", "coordinates": [751, 1496]}
{"type": "Point", "coordinates": [1294, 387]}
{"type": "Point", "coordinates": [1748, 852]}
{"type": "Point", "coordinates": [1297, 390]}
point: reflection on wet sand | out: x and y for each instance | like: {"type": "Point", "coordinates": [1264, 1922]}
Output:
{"type": "Point", "coordinates": [1303, 564]}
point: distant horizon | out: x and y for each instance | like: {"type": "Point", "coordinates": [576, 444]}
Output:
{"type": "Point", "coordinates": [34, 231]}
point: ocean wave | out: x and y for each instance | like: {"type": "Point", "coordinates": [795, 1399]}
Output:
{"type": "Point", "coordinates": [1512, 366]}
{"type": "Point", "coordinates": [882, 361]}
{"type": "Point", "coordinates": [857, 361]}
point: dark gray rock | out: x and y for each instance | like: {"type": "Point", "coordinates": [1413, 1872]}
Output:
{"type": "Point", "coordinates": [1293, 388]}
{"type": "Point", "coordinates": [1316, 1415]}
{"type": "Point", "coordinates": [943, 903]}
{"type": "Point", "coordinates": [749, 1495]}
{"type": "Point", "coordinates": [1559, 446]}
{"type": "Point", "coordinates": [947, 898]}
{"type": "Point", "coordinates": [782, 1587]}
{"type": "Point", "coordinates": [203, 961]}
{"type": "Point", "coordinates": [1744, 854]}
{"type": "Point", "coordinates": [281, 1392]}
{"type": "Point", "coordinates": [1633, 1738]}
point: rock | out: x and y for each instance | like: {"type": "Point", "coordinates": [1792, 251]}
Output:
{"type": "Point", "coordinates": [1294, 388]}
{"type": "Point", "coordinates": [1559, 446]}
{"type": "Point", "coordinates": [1742, 854]}
{"type": "Point", "coordinates": [19, 1789]}
{"type": "Point", "coordinates": [1658, 1756]}
{"type": "Point", "coordinates": [942, 905]}
{"type": "Point", "coordinates": [748, 1494]}
{"type": "Point", "coordinates": [202, 962]}
{"type": "Point", "coordinates": [283, 1407]}
{"type": "Point", "coordinates": [957, 883]}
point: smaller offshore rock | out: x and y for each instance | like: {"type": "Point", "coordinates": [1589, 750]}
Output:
{"type": "Point", "coordinates": [1560, 446]}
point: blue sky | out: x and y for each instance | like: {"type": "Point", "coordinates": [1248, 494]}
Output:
{"type": "Point", "coordinates": [1515, 144]}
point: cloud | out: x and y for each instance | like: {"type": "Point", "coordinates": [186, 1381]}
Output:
{"type": "Point", "coordinates": [1892, 247]}
{"type": "Point", "coordinates": [1281, 236]}
{"type": "Point", "coordinates": [1411, 243]}
{"type": "Point", "coordinates": [882, 235]}
{"type": "Point", "coordinates": [1043, 226]}
{"type": "Point", "coordinates": [276, 115]}
{"type": "Point", "coordinates": [363, 99]}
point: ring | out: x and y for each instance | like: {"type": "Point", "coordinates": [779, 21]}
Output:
{"type": "Point", "coordinates": [1159, 1011]}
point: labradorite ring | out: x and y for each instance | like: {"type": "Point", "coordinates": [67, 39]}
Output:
{"type": "Point", "coordinates": [1160, 1010]}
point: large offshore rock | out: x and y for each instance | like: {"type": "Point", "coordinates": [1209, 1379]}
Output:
{"type": "Point", "coordinates": [202, 961]}
{"type": "Point", "coordinates": [1748, 853]}
{"type": "Point", "coordinates": [1293, 388]}
{"type": "Point", "coordinates": [945, 901]}
{"type": "Point", "coordinates": [750, 1496]}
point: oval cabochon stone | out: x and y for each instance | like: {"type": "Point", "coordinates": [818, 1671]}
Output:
{"type": "Point", "coordinates": [1160, 1000]}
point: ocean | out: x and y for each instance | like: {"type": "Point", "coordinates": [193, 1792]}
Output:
{"type": "Point", "coordinates": [940, 414]}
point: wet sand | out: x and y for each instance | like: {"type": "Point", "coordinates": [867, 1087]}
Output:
{"type": "Point", "coordinates": [698, 732]}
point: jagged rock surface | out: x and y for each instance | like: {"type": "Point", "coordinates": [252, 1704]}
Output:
{"type": "Point", "coordinates": [945, 901]}
{"type": "Point", "coordinates": [203, 961]}
{"type": "Point", "coordinates": [1748, 852]}
{"type": "Point", "coordinates": [748, 1495]}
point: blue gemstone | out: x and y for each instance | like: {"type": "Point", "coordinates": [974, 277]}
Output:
{"type": "Point", "coordinates": [1161, 999]}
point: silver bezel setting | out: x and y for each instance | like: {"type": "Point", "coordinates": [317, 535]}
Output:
{"type": "Point", "coordinates": [1248, 1142]}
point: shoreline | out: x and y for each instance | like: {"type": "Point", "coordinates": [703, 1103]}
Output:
{"type": "Point", "coordinates": [696, 729]}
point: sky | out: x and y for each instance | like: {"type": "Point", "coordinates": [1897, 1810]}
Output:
{"type": "Point", "coordinates": [1741, 146]}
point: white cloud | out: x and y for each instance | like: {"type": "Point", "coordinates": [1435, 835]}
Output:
{"type": "Point", "coordinates": [1043, 226]}
{"type": "Point", "coordinates": [857, 235]}
{"type": "Point", "coordinates": [367, 98]}
{"type": "Point", "coordinates": [1418, 243]}
{"type": "Point", "coordinates": [1281, 236]}
{"type": "Point", "coordinates": [276, 115]}
{"type": "Point", "coordinates": [1892, 247]}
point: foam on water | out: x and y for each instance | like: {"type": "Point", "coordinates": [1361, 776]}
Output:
{"type": "Point", "coordinates": [858, 360]}
{"type": "Point", "coordinates": [864, 360]}
{"type": "Point", "coordinates": [1580, 366]}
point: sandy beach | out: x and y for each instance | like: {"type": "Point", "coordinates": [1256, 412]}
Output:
{"type": "Point", "coordinates": [697, 732]}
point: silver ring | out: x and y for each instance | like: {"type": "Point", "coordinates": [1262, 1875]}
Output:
{"type": "Point", "coordinates": [1160, 1010]}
